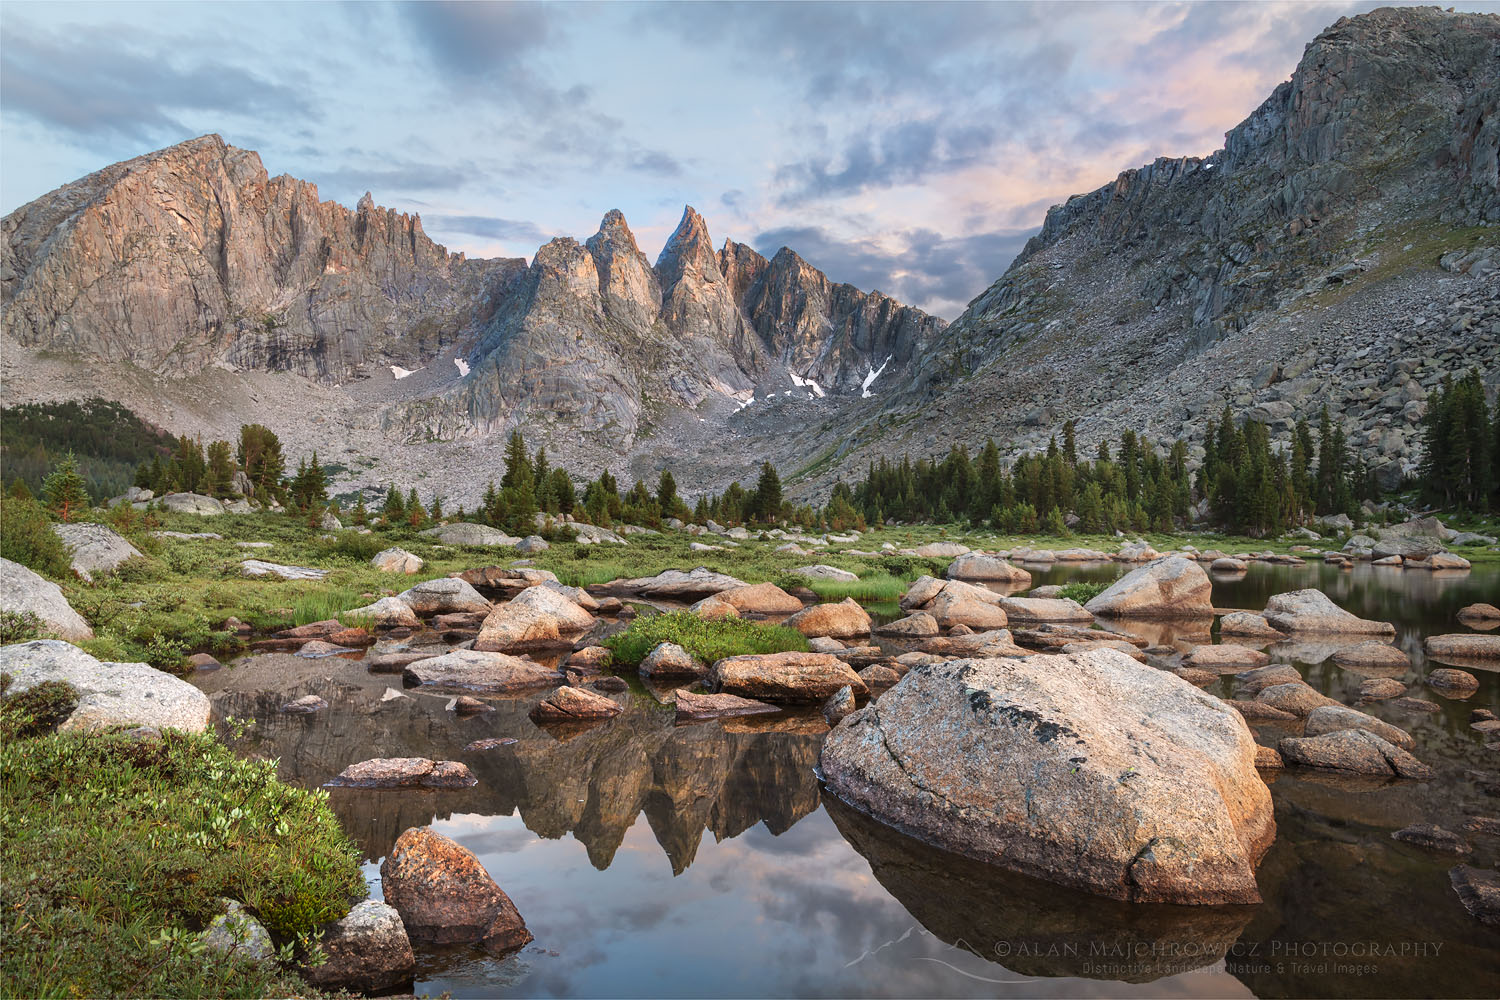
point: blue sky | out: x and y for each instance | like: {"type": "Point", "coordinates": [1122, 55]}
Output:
{"type": "Point", "coordinates": [906, 147]}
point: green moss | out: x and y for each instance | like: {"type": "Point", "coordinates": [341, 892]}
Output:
{"type": "Point", "coordinates": [706, 640]}
{"type": "Point", "coordinates": [108, 880]}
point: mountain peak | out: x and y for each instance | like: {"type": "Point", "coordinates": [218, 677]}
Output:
{"type": "Point", "coordinates": [689, 250]}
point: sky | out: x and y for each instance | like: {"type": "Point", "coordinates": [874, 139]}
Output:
{"type": "Point", "coordinates": [909, 148]}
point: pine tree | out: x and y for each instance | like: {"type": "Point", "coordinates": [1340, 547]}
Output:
{"type": "Point", "coordinates": [394, 510]}
{"type": "Point", "coordinates": [259, 457]}
{"type": "Point", "coordinates": [518, 468]}
{"type": "Point", "coordinates": [666, 494]}
{"type": "Point", "coordinates": [415, 515]}
{"type": "Point", "coordinates": [768, 500]}
{"type": "Point", "coordinates": [64, 491]}
{"type": "Point", "coordinates": [219, 482]}
{"type": "Point", "coordinates": [361, 514]}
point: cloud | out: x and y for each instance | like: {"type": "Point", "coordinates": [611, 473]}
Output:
{"type": "Point", "coordinates": [906, 153]}
{"type": "Point", "coordinates": [394, 175]}
{"type": "Point", "coordinates": [102, 84]}
{"type": "Point", "coordinates": [921, 267]}
{"type": "Point", "coordinates": [488, 227]}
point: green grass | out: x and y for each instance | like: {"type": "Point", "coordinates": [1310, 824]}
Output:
{"type": "Point", "coordinates": [1083, 592]}
{"type": "Point", "coordinates": [109, 879]}
{"type": "Point", "coordinates": [706, 640]}
{"type": "Point", "coordinates": [875, 587]}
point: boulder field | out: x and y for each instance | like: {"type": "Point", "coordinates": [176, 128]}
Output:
{"type": "Point", "coordinates": [1088, 769]}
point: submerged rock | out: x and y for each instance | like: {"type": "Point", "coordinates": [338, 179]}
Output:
{"type": "Point", "coordinates": [785, 677]}
{"type": "Point", "coordinates": [693, 707]}
{"type": "Point", "coordinates": [1311, 611]}
{"type": "Point", "coordinates": [1463, 646]}
{"type": "Point", "coordinates": [1453, 683]}
{"type": "Point", "coordinates": [1479, 892]}
{"type": "Point", "coordinates": [479, 671]}
{"type": "Point", "coordinates": [445, 896]}
{"type": "Point", "coordinates": [1434, 838]}
{"type": "Point", "coordinates": [1128, 782]}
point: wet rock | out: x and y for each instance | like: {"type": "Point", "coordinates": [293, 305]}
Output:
{"type": "Point", "coordinates": [785, 677]}
{"type": "Point", "coordinates": [94, 548]}
{"type": "Point", "coordinates": [1267, 758]}
{"type": "Point", "coordinates": [445, 896]}
{"type": "Point", "coordinates": [920, 625]}
{"type": "Point", "coordinates": [1381, 689]}
{"type": "Point", "coordinates": [986, 569]}
{"type": "Point", "coordinates": [1173, 587]}
{"type": "Point", "coordinates": [1244, 623]}
{"type": "Point", "coordinates": [404, 772]}
{"type": "Point", "coordinates": [306, 705]}
{"type": "Point", "coordinates": [1298, 698]}
{"type": "Point", "coordinates": [1434, 838]}
{"type": "Point", "coordinates": [571, 704]}
{"type": "Point", "coordinates": [395, 663]}
{"type": "Point", "coordinates": [1452, 683]}
{"type": "Point", "coordinates": [1311, 611]}
{"type": "Point", "coordinates": [1037, 609]}
{"type": "Point", "coordinates": [1226, 659]}
{"type": "Point", "coordinates": [492, 743]}
{"type": "Point", "coordinates": [1463, 646]}
{"type": "Point", "coordinates": [609, 685]}
{"type": "Point", "coordinates": [1090, 808]}
{"type": "Point", "coordinates": [479, 671]}
{"type": "Point", "coordinates": [1355, 751]}
{"type": "Point", "coordinates": [257, 567]}
{"type": "Point", "coordinates": [668, 659]}
{"type": "Point", "coordinates": [1259, 711]}
{"type": "Point", "coordinates": [445, 595]}
{"type": "Point", "coordinates": [109, 694]}
{"type": "Point", "coordinates": [1255, 681]}
{"type": "Point", "coordinates": [1372, 655]}
{"type": "Point", "coordinates": [760, 599]}
{"type": "Point", "coordinates": [838, 706]}
{"type": "Point", "coordinates": [466, 705]}
{"type": "Point", "coordinates": [1417, 705]}
{"type": "Point", "coordinates": [844, 620]}
{"type": "Point", "coordinates": [202, 661]}
{"type": "Point", "coordinates": [396, 560]}
{"type": "Point", "coordinates": [1335, 718]}
{"type": "Point", "coordinates": [367, 950]}
{"type": "Point", "coordinates": [236, 932]}
{"type": "Point", "coordinates": [1482, 613]}
{"type": "Point", "coordinates": [692, 707]}
{"type": "Point", "coordinates": [1479, 892]}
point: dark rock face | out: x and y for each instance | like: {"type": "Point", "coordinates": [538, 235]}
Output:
{"type": "Point", "coordinates": [221, 263]}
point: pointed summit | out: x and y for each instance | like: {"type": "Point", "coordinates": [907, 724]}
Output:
{"type": "Point", "coordinates": [627, 284]}
{"type": "Point", "coordinates": [615, 232]}
{"type": "Point", "coordinates": [689, 250]}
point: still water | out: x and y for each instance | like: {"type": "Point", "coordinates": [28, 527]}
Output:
{"type": "Point", "coordinates": [655, 860]}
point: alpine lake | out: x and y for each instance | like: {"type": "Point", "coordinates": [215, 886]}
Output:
{"type": "Point", "coordinates": [652, 859]}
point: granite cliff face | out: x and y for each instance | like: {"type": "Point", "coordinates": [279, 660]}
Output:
{"type": "Point", "coordinates": [1341, 249]}
{"type": "Point", "coordinates": [594, 338]}
{"type": "Point", "coordinates": [193, 256]}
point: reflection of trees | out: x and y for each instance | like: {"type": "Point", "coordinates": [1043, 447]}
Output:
{"type": "Point", "coordinates": [1032, 927]}
{"type": "Point", "coordinates": [593, 784]}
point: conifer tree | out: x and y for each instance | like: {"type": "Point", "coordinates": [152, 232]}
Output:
{"type": "Point", "coordinates": [64, 491]}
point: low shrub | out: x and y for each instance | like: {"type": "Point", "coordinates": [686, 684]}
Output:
{"type": "Point", "coordinates": [706, 640]}
{"type": "Point", "coordinates": [109, 880]}
{"type": "Point", "coordinates": [20, 626]}
{"type": "Point", "coordinates": [1083, 592]}
{"type": "Point", "coordinates": [26, 537]}
{"type": "Point", "coordinates": [37, 710]}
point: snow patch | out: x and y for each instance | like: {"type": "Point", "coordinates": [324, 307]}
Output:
{"type": "Point", "coordinates": [864, 390]}
{"type": "Point", "coordinates": [806, 383]}
{"type": "Point", "coordinates": [463, 367]}
{"type": "Point", "coordinates": [401, 373]}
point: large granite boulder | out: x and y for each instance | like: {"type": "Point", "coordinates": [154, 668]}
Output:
{"type": "Point", "coordinates": [94, 548]}
{"type": "Point", "coordinates": [1310, 610]}
{"type": "Point", "coordinates": [21, 591]}
{"type": "Point", "coordinates": [476, 670]}
{"type": "Point", "coordinates": [954, 607]}
{"type": "Point", "coordinates": [444, 596]}
{"type": "Point", "coordinates": [1044, 609]}
{"type": "Point", "coordinates": [784, 678]}
{"type": "Point", "coordinates": [445, 896]}
{"type": "Point", "coordinates": [987, 569]}
{"type": "Point", "coordinates": [388, 612]}
{"type": "Point", "coordinates": [396, 560]}
{"type": "Point", "coordinates": [366, 950]}
{"type": "Point", "coordinates": [676, 585]}
{"type": "Point", "coordinates": [844, 620]}
{"type": "Point", "coordinates": [109, 694]}
{"type": "Point", "coordinates": [464, 533]}
{"type": "Point", "coordinates": [537, 617]}
{"type": "Point", "coordinates": [918, 625]}
{"type": "Point", "coordinates": [1089, 770]}
{"type": "Point", "coordinates": [760, 599]}
{"type": "Point", "coordinates": [1173, 587]}
{"type": "Point", "coordinates": [191, 503]}
{"type": "Point", "coordinates": [922, 590]}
